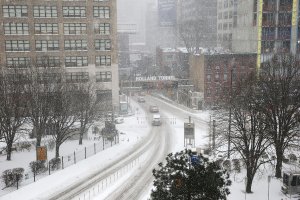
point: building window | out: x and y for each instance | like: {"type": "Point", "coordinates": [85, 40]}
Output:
{"type": "Point", "coordinates": [16, 29]}
{"type": "Point", "coordinates": [102, 12]}
{"type": "Point", "coordinates": [74, 28]}
{"type": "Point", "coordinates": [17, 45]}
{"type": "Point", "coordinates": [103, 76]}
{"type": "Point", "coordinates": [74, 11]}
{"type": "Point", "coordinates": [49, 77]}
{"type": "Point", "coordinates": [208, 92]}
{"type": "Point", "coordinates": [15, 11]}
{"type": "Point", "coordinates": [220, 15]}
{"type": "Point", "coordinates": [225, 77]}
{"type": "Point", "coordinates": [103, 45]}
{"type": "Point", "coordinates": [46, 45]}
{"type": "Point", "coordinates": [44, 11]}
{"type": "Point", "coordinates": [46, 28]}
{"type": "Point", "coordinates": [208, 77]}
{"type": "Point", "coordinates": [17, 62]}
{"type": "Point", "coordinates": [76, 61]}
{"type": "Point", "coordinates": [217, 76]}
{"type": "Point", "coordinates": [77, 77]}
{"type": "Point", "coordinates": [75, 45]}
{"type": "Point", "coordinates": [48, 61]}
{"type": "Point", "coordinates": [103, 60]}
{"type": "Point", "coordinates": [102, 28]}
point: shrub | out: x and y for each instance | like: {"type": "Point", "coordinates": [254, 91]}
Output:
{"type": "Point", "coordinates": [219, 162]}
{"type": "Point", "coordinates": [285, 160]}
{"type": "Point", "coordinates": [7, 177]}
{"type": "Point", "coordinates": [54, 164]}
{"type": "Point", "coordinates": [10, 177]}
{"type": "Point", "coordinates": [38, 167]}
{"type": "Point", "coordinates": [25, 145]}
{"type": "Point", "coordinates": [236, 165]}
{"type": "Point", "coordinates": [293, 157]}
{"type": "Point", "coordinates": [18, 174]}
{"type": "Point", "coordinates": [51, 145]}
{"type": "Point", "coordinates": [227, 165]}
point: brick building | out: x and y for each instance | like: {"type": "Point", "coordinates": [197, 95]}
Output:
{"type": "Point", "coordinates": [211, 74]}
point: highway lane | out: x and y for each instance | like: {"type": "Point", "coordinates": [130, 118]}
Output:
{"type": "Point", "coordinates": [156, 138]}
{"type": "Point", "coordinates": [157, 145]}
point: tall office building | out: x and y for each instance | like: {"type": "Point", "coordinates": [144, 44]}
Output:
{"type": "Point", "coordinates": [197, 19]}
{"type": "Point", "coordinates": [267, 27]}
{"type": "Point", "coordinates": [78, 35]}
{"type": "Point", "coordinates": [227, 20]}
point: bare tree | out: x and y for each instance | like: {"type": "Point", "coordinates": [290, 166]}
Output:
{"type": "Point", "coordinates": [63, 115]}
{"type": "Point", "coordinates": [43, 83]}
{"type": "Point", "coordinates": [87, 107]}
{"type": "Point", "coordinates": [249, 136]}
{"type": "Point", "coordinates": [249, 132]}
{"type": "Point", "coordinates": [12, 107]}
{"type": "Point", "coordinates": [280, 102]}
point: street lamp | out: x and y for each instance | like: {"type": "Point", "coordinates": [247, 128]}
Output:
{"type": "Point", "coordinates": [229, 121]}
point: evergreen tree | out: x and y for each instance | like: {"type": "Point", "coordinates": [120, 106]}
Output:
{"type": "Point", "coordinates": [189, 176]}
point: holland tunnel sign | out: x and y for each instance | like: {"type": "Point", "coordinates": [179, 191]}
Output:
{"type": "Point", "coordinates": [155, 78]}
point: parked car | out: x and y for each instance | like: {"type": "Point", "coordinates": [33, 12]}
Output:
{"type": "Point", "coordinates": [154, 109]}
{"type": "Point", "coordinates": [119, 120]}
{"type": "Point", "coordinates": [141, 100]}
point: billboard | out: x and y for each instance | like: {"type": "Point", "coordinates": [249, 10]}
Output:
{"type": "Point", "coordinates": [167, 13]}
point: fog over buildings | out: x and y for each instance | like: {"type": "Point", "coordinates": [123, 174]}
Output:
{"type": "Point", "coordinates": [133, 12]}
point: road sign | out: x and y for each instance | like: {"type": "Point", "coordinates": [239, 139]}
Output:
{"type": "Point", "coordinates": [195, 160]}
{"type": "Point", "coordinates": [41, 153]}
{"type": "Point", "coordinates": [189, 130]}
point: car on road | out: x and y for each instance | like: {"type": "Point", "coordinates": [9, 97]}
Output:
{"type": "Point", "coordinates": [119, 120]}
{"type": "Point", "coordinates": [156, 121]}
{"type": "Point", "coordinates": [141, 100]}
{"type": "Point", "coordinates": [154, 109]}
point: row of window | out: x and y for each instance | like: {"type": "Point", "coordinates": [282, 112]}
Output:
{"type": "Point", "coordinates": [71, 77]}
{"type": "Point", "coordinates": [102, 12]}
{"type": "Point", "coordinates": [217, 77]}
{"type": "Point", "coordinates": [54, 61]}
{"type": "Point", "coordinates": [76, 77]}
{"type": "Point", "coordinates": [52, 28]}
{"type": "Point", "coordinates": [53, 45]}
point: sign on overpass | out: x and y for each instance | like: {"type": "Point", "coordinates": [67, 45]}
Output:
{"type": "Point", "coordinates": [155, 78]}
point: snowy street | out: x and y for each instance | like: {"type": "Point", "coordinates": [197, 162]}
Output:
{"type": "Point", "coordinates": [124, 171]}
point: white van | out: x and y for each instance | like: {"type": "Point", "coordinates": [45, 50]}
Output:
{"type": "Point", "coordinates": [156, 120]}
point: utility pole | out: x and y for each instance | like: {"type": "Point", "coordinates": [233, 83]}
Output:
{"type": "Point", "coordinates": [229, 121]}
{"type": "Point", "coordinates": [209, 134]}
{"type": "Point", "coordinates": [214, 136]}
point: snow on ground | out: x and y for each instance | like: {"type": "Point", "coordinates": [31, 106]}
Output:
{"type": "Point", "coordinates": [135, 128]}
{"type": "Point", "coordinates": [41, 189]}
{"type": "Point", "coordinates": [237, 189]}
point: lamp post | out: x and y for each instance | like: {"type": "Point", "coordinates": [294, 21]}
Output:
{"type": "Point", "coordinates": [229, 121]}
